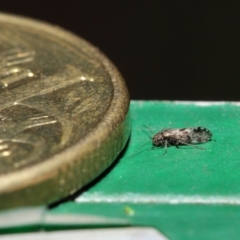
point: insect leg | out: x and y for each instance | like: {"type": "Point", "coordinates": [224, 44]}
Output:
{"type": "Point", "coordinates": [184, 143]}
{"type": "Point", "coordinates": [165, 146]}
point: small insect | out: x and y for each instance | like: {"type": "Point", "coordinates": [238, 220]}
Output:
{"type": "Point", "coordinates": [181, 136]}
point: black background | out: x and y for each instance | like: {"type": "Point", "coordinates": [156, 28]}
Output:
{"type": "Point", "coordinates": [172, 50]}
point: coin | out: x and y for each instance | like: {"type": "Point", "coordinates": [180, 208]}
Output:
{"type": "Point", "coordinates": [63, 112]}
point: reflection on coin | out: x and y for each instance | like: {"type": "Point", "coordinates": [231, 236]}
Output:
{"type": "Point", "coordinates": [63, 112]}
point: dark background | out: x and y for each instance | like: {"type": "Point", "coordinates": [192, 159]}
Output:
{"type": "Point", "coordinates": [173, 50]}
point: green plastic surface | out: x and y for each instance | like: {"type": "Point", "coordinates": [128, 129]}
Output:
{"type": "Point", "coordinates": [186, 194]}
{"type": "Point", "coordinates": [208, 175]}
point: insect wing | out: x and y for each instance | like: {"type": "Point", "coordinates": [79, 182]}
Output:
{"type": "Point", "coordinates": [200, 135]}
{"type": "Point", "coordinates": [188, 135]}
{"type": "Point", "coordinates": [181, 135]}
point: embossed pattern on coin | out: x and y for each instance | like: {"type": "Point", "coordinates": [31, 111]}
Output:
{"type": "Point", "coordinates": [63, 112]}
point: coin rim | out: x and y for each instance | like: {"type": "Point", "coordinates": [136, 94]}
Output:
{"type": "Point", "coordinates": [115, 121]}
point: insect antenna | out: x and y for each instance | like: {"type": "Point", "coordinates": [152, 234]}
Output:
{"type": "Point", "coordinates": [150, 130]}
{"type": "Point", "coordinates": [138, 152]}
{"type": "Point", "coordinates": [140, 148]}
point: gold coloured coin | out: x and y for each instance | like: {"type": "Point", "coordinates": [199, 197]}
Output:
{"type": "Point", "coordinates": [63, 112]}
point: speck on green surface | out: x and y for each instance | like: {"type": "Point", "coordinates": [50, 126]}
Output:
{"type": "Point", "coordinates": [180, 221]}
